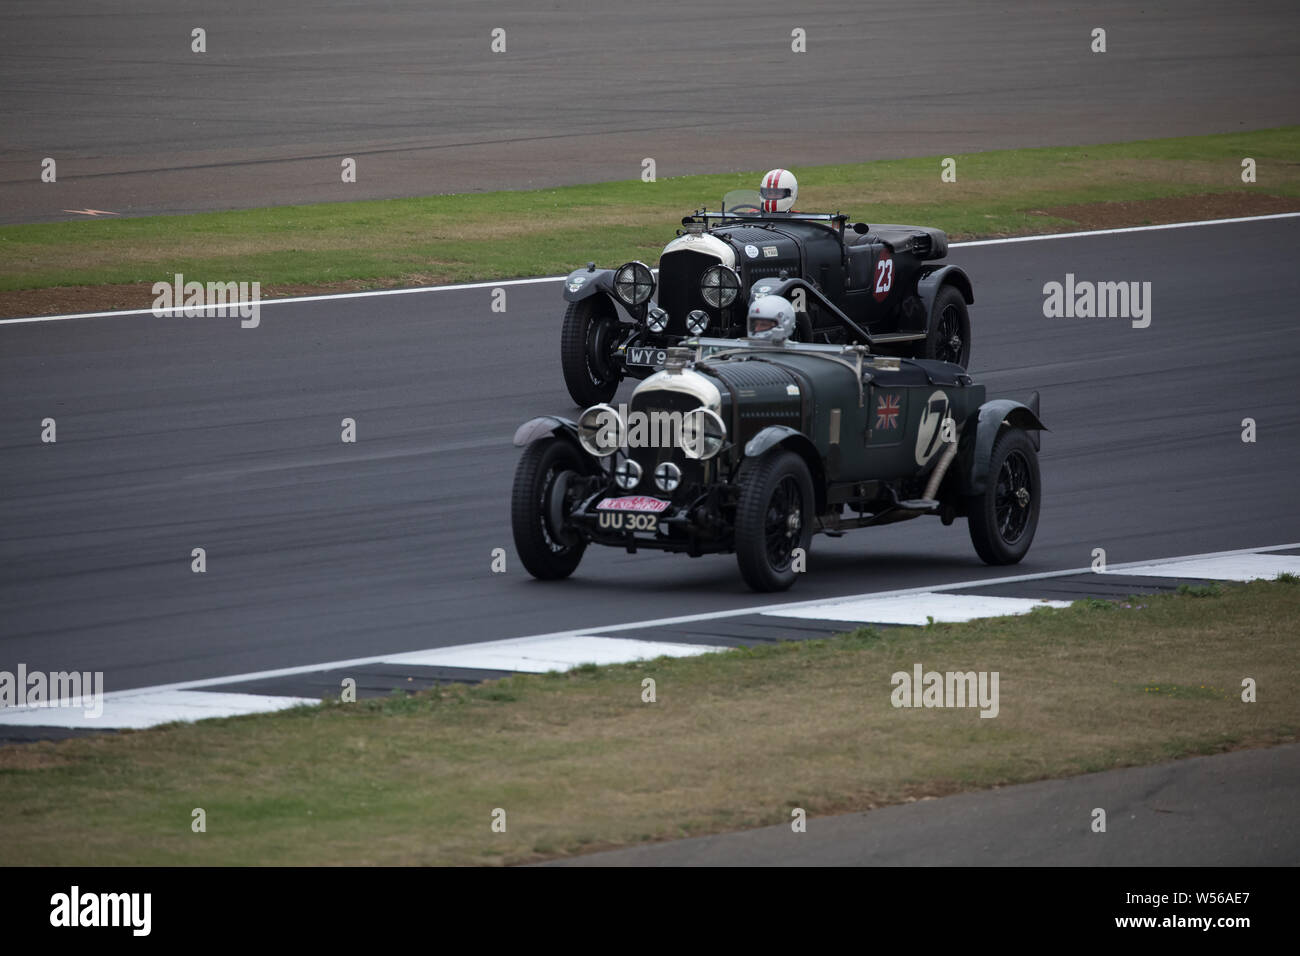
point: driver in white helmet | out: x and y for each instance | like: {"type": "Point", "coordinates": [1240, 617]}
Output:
{"type": "Point", "coordinates": [779, 189]}
{"type": "Point", "coordinates": [770, 319]}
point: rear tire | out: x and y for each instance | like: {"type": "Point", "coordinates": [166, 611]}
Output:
{"type": "Point", "coordinates": [773, 517]}
{"type": "Point", "coordinates": [547, 466]}
{"type": "Point", "coordinates": [1004, 518]}
{"type": "Point", "coordinates": [948, 331]}
{"type": "Point", "coordinates": [588, 341]}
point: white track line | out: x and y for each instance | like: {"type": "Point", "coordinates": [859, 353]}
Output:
{"type": "Point", "coordinates": [774, 609]}
{"type": "Point", "coordinates": [504, 282]}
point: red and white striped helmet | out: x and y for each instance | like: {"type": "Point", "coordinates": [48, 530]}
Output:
{"type": "Point", "coordinates": [779, 190]}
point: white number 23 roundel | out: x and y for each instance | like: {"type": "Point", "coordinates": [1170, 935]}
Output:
{"type": "Point", "coordinates": [883, 279]}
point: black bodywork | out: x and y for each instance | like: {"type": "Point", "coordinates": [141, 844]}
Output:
{"type": "Point", "coordinates": [858, 439]}
{"type": "Point", "coordinates": [878, 285]}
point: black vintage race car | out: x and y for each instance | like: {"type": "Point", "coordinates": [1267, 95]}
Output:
{"type": "Point", "coordinates": [774, 443]}
{"type": "Point", "coordinates": [879, 285]}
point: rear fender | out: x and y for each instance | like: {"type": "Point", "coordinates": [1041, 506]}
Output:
{"type": "Point", "coordinates": [987, 424]}
{"type": "Point", "coordinates": [933, 279]}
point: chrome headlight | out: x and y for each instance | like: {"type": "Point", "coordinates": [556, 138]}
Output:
{"type": "Point", "coordinates": [634, 283]}
{"type": "Point", "coordinates": [600, 430]}
{"type": "Point", "coordinates": [697, 322]}
{"type": "Point", "coordinates": [656, 319]}
{"type": "Point", "coordinates": [703, 433]}
{"type": "Point", "coordinates": [627, 474]}
{"type": "Point", "coordinates": [668, 476]}
{"type": "Point", "coordinates": [719, 285]}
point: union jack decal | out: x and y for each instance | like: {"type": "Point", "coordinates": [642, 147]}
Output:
{"type": "Point", "coordinates": [887, 411]}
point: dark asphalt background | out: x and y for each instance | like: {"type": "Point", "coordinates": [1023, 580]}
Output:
{"type": "Point", "coordinates": [178, 433]}
{"type": "Point", "coordinates": [1235, 809]}
{"type": "Point", "coordinates": [139, 124]}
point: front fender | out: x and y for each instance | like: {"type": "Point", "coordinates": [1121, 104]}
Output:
{"type": "Point", "coordinates": [530, 431]}
{"type": "Point", "coordinates": [934, 279]}
{"type": "Point", "coordinates": [582, 283]}
{"type": "Point", "coordinates": [769, 437]}
{"type": "Point", "coordinates": [798, 442]}
{"type": "Point", "coordinates": [989, 421]}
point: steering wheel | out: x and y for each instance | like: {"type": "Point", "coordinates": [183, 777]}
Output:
{"type": "Point", "coordinates": [744, 207]}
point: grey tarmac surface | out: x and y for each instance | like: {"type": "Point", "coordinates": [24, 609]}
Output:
{"type": "Point", "coordinates": [179, 433]}
{"type": "Point", "coordinates": [139, 124]}
{"type": "Point", "coordinates": [1234, 809]}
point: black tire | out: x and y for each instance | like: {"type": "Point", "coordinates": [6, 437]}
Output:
{"type": "Point", "coordinates": [948, 331]}
{"type": "Point", "coordinates": [546, 551]}
{"type": "Point", "coordinates": [773, 489]}
{"type": "Point", "coordinates": [587, 347]}
{"type": "Point", "coordinates": [1004, 518]}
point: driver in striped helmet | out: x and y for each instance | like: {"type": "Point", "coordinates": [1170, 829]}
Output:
{"type": "Point", "coordinates": [779, 190]}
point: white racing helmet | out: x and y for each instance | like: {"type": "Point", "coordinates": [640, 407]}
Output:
{"type": "Point", "coordinates": [779, 190]}
{"type": "Point", "coordinates": [770, 319]}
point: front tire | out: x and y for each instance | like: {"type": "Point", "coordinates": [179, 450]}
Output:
{"type": "Point", "coordinates": [948, 332]}
{"type": "Point", "coordinates": [773, 517]}
{"type": "Point", "coordinates": [588, 341]}
{"type": "Point", "coordinates": [538, 505]}
{"type": "Point", "coordinates": [1004, 518]}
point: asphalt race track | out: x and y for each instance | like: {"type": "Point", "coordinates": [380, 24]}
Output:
{"type": "Point", "coordinates": [178, 433]}
{"type": "Point", "coordinates": [1173, 814]}
{"type": "Point", "coordinates": [139, 124]}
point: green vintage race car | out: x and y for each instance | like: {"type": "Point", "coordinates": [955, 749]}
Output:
{"type": "Point", "coordinates": [753, 445]}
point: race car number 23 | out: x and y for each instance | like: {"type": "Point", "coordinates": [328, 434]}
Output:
{"type": "Point", "coordinates": [884, 278]}
{"type": "Point", "coordinates": [628, 521]}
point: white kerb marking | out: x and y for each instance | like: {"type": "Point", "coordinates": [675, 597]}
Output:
{"type": "Point", "coordinates": [149, 709]}
{"type": "Point", "coordinates": [916, 608]}
{"type": "Point", "coordinates": [537, 655]}
{"type": "Point", "coordinates": [1238, 567]}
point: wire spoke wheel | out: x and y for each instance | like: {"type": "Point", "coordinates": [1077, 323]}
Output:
{"type": "Point", "coordinates": [1013, 497]}
{"type": "Point", "coordinates": [774, 516]}
{"type": "Point", "coordinates": [1004, 516]}
{"type": "Point", "coordinates": [950, 339]}
{"type": "Point", "coordinates": [784, 522]}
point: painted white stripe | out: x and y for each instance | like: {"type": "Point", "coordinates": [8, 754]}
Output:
{"type": "Point", "coordinates": [537, 655]}
{"type": "Point", "coordinates": [778, 610]}
{"type": "Point", "coordinates": [1237, 567]}
{"type": "Point", "coordinates": [149, 708]}
{"type": "Point", "coordinates": [916, 608]}
{"type": "Point", "coordinates": [539, 279]}
{"type": "Point", "coordinates": [1118, 230]}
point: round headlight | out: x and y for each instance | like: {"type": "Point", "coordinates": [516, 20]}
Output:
{"type": "Point", "coordinates": [719, 285]}
{"type": "Point", "coordinates": [697, 322]}
{"type": "Point", "coordinates": [703, 433]}
{"type": "Point", "coordinates": [668, 476]}
{"type": "Point", "coordinates": [634, 283]}
{"type": "Point", "coordinates": [656, 319]}
{"type": "Point", "coordinates": [627, 474]}
{"type": "Point", "coordinates": [600, 430]}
